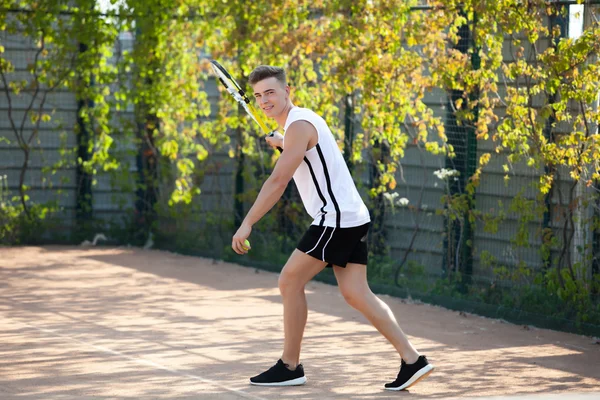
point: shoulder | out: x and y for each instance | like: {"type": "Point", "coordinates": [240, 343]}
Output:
{"type": "Point", "coordinates": [301, 133]}
{"type": "Point", "coordinates": [300, 126]}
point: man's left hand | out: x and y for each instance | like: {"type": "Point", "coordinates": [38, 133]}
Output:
{"type": "Point", "coordinates": [237, 242]}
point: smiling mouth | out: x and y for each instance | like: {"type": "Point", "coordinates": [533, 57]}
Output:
{"type": "Point", "coordinates": [267, 108]}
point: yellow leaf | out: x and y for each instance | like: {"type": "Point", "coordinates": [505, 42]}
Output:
{"type": "Point", "coordinates": [485, 159]}
{"type": "Point", "coordinates": [392, 184]}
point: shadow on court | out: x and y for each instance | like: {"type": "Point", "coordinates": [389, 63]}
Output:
{"type": "Point", "coordinates": [130, 324]}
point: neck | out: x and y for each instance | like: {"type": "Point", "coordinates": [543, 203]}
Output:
{"type": "Point", "coordinates": [281, 118]}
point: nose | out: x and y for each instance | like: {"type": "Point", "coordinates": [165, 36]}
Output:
{"type": "Point", "coordinates": [263, 99]}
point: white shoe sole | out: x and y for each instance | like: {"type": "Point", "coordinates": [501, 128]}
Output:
{"type": "Point", "coordinates": [422, 373]}
{"type": "Point", "coordinates": [293, 382]}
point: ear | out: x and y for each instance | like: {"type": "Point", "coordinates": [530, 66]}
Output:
{"type": "Point", "coordinates": [287, 90]}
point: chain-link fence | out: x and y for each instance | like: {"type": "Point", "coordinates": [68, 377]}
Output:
{"type": "Point", "coordinates": [492, 251]}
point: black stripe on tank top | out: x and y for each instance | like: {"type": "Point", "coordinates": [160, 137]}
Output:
{"type": "Point", "coordinates": [314, 178]}
{"type": "Point", "coordinates": [328, 180]}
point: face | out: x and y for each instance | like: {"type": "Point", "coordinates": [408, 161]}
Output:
{"type": "Point", "coordinates": [271, 96]}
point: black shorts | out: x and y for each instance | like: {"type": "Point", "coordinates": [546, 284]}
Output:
{"type": "Point", "coordinates": [336, 246]}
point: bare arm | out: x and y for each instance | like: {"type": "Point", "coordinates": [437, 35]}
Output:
{"type": "Point", "coordinates": [297, 138]}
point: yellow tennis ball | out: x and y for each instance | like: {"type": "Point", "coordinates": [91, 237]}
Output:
{"type": "Point", "coordinates": [247, 244]}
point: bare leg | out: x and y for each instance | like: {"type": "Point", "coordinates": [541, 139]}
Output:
{"type": "Point", "coordinates": [297, 272]}
{"type": "Point", "coordinates": [353, 284]}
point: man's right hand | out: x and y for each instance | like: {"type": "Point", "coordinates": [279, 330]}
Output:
{"type": "Point", "coordinates": [275, 140]}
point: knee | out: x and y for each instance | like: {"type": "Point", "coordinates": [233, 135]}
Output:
{"type": "Point", "coordinates": [354, 296]}
{"type": "Point", "coordinates": [288, 284]}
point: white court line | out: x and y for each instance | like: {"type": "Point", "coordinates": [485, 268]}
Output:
{"type": "Point", "coordinates": [145, 362]}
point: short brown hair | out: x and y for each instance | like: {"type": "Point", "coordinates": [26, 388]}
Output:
{"type": "Point", "coordinates": [267, 71]}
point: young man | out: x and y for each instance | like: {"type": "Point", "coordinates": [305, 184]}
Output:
{"type": "Point", "coordinates": [336, 238]}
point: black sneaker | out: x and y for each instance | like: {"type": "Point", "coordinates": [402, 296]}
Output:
{"type": "Point", "coordinates": [410, 374]}
{"type": "Point", "coordinates": [280, 375]}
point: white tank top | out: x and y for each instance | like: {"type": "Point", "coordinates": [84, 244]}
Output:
{"type": "Point", "coordinates": [324, 181]}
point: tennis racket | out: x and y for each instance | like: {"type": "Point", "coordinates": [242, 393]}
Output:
{"type": "Point", "coordinates": [240, 96]}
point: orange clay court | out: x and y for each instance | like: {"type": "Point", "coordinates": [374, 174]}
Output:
{"type": "Point", "coordinates": [125, 323]}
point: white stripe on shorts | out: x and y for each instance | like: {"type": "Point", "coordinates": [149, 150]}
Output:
{"type": "Point", "coordinates": [318, 241]}
{"type": "Point", "coordinates": [323, 258]}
